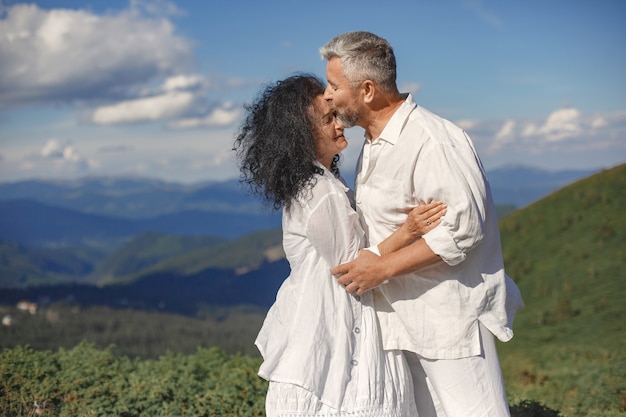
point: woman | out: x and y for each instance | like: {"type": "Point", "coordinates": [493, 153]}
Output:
{"type": "Point", "coordinates": [320, 344]}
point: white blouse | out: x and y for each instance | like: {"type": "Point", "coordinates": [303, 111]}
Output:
{"type": "Point", "coordinates": [316, 335]}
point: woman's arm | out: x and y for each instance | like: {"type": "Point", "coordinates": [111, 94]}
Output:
{"type": "Point", "coordinates": [421, 219]}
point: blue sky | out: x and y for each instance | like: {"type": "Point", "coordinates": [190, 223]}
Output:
{"type": "Point", "coordinates": [156, 88]}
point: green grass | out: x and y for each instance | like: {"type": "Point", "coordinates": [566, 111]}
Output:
{"type": "Point", "coordinates": [567, 254]}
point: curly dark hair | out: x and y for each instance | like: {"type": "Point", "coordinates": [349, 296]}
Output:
{"type": "Point", "coordinates": [275, 144]}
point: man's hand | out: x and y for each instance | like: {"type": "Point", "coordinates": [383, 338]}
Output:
{"type": "Point", "coordinates": [361, 274]}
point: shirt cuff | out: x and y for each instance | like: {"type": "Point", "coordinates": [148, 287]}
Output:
{"type": "Point", "coordinates": [374, 250]}
{"type": "Point", "coordinates": [442, 243]}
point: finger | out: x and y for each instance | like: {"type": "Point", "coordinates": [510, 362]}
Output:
{"type": "Point", "coordinates": [344, 280]}
{"type": "Point", "coordinates": [340, 269]}
{"type": "Point", "coordinates": [436, 209]}
{"type": "Point", "coordinates": [352, 287]}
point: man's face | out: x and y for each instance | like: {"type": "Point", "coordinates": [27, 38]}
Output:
{"type": "Point", "coordinates": [342, 94]}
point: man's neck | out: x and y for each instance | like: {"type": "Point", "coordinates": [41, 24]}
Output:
{"type": "Point", "coordinates": [379, 118]}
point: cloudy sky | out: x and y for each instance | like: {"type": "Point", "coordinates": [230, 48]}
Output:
{"type": "Point", "coordinates": [155, 88]}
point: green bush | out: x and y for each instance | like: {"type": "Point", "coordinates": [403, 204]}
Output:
{"type": "Point", "coordinates": [85, 381]}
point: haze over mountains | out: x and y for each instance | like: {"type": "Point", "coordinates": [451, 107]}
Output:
{"type": "Point", "coordinates": [108, 210]}
{"type": "Point", "coordinates": [121, 230]}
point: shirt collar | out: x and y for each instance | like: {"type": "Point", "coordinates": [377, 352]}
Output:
{"type": "Point", "coordinates": [332, 177]}
{"type": "Point", "coordinates": [394, 126]}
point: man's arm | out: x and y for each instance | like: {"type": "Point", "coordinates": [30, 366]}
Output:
{"type": "Point", "coordinates": [420, 220]}
{"type": "Point", "coordinates": [369, 270]}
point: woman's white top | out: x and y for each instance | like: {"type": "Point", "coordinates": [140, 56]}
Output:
{"type": "Point", "coordinates": [317, 336]}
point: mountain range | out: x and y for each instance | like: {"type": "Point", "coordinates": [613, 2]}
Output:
{"type": "Point", "coordinates": [564, 251]}
{"type": "Point", "coordinates": [111, 230]}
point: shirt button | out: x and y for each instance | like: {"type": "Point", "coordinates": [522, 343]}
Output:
{"type": "Point", "coordinates": [357, 330]}
{"type": "Point", "coordinates": [354, 362]}
{"type": "Point", "coordinates": [358, 298]}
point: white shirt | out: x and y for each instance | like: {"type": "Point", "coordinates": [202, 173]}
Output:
{"type": "Point", "coordinates": [435, 312]}
{"type": "Point", "coordinates": [317, 335]}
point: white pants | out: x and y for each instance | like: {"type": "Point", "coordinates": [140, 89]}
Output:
{"type": "Point", "coordinates": [466, 387]}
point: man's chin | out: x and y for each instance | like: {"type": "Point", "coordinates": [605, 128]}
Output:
{"type": "Point", "coordinates": [347, 122]}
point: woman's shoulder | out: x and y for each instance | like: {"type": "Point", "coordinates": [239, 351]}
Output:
{"type": "Point", "coordinates": [321, 186]}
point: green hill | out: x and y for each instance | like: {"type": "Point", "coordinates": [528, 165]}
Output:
{"type": "Point", "coordinates": [21, 266]}
{"type": "Point", "coordinates": [243, 255]}
{"type": "Point", "coordinates": [567, 254]}
{"type": "Point", "coordinates": [147, 250]}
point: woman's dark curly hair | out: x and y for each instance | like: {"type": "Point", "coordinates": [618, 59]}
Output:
{"type": "Point", "coordinates": [275, 144]}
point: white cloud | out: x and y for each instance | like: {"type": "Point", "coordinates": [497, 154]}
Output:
{"type": "Point", "coordinates": [130, 65]}
{"type": "Point", "coordinates": [168, 105]}
{"type": "Point", "coordinates": [185, 82]}
{"type": "Point", "coordinates": [55, 156]}
{"type": "Point", "coordinates": [598, 122]}
{"type": "Point", "coordinates": [466, 124]}
{"type": "Point", "coordinates": [52, 149]}
{"type": "Point", "coordinates": [562, 124]}
{"type": "Point", "coordinates": [503, 136]}
{"type": "Point", "coordinates": [64, 55]}
{"type": "Point", "coordinates": [225, 115]}
{"type": "Point", "coordinates": [565, 131]}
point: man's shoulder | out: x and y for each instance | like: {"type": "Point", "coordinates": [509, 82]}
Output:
{"type": "Point", "coordinates": [423, 113]}
{"type": "Point", "coordinates": [433, 123]}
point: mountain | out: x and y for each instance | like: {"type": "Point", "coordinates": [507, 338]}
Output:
{"type": "Point", "coordinates": [248, 270]}
{"type": "Point", "coordinates": [23, 266]}
{"type": "Point", "coordinates": [36, 224]}
{"type": "Point", "coordinates": [110, 211]}
{"type": "Point", "coordinates": [146, 254]}
{"type": "Point", "coordinates": [565, 252]}
{"type": "Point", "coordinates": [134, 198]}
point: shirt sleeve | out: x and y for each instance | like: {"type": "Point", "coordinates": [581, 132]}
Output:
{"type": "Point", "coordinates": [451, 172]}
{"type": "Point", "coordinates": [333, 227]}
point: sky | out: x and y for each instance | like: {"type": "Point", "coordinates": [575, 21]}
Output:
{"type": "Point", "coordinates": [156, 88]}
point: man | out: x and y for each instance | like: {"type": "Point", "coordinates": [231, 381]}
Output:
{"type": "Point", "coordinates": [442, 298]}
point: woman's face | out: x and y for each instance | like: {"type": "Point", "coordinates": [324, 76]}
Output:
{"type": "Point", "coordinates": [328, 132]}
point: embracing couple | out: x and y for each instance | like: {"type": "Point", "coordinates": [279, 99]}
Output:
{"type": "Point", "coordinates": [398, 290]}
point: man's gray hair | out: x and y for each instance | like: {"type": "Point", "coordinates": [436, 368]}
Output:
{"type": "Point", "coordinates": [365, 56]}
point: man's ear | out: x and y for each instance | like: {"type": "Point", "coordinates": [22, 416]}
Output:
{"type": "Point", "coordinates": [369, 89]}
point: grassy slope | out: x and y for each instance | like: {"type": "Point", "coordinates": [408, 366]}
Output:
{"type": "Point", "coordinates": [147, 250]}
{"type": "Point", "coordinates": [567, 254]}
{"type": "Point", "coordinates": [245, 253]}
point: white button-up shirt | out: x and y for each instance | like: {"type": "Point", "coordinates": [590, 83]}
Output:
{"type": "Point", "coordinates": [435, 312]}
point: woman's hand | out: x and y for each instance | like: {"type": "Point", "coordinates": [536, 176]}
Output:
{"type": "Point", "coordinates": [424, 218]}
{"type": "Point", "coordinates": [420, 220]}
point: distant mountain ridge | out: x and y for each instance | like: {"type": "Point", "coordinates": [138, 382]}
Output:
{"type": "Point", "coordinates": [141, 198]}
{"type": "Point", "coordinates": [134, 198]}
{"type": "Point", "coordinates": [67, 231]}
